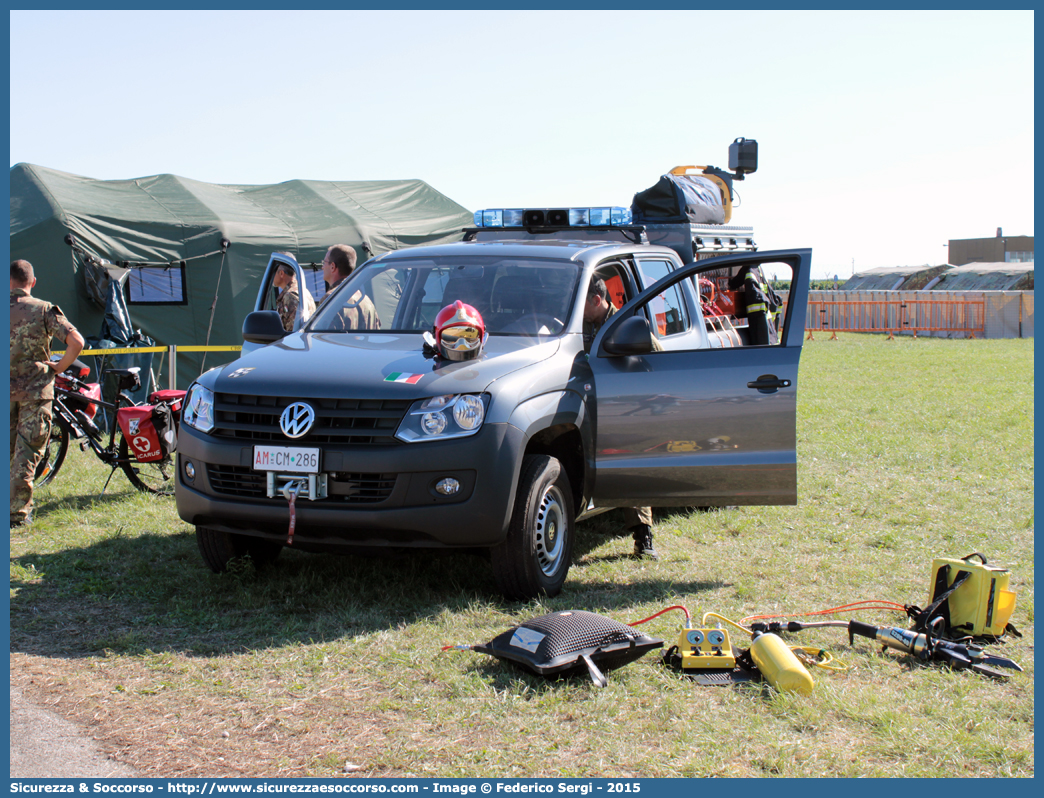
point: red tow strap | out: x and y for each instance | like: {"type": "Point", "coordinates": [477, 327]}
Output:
{"type": "Point", "coordinates": [293, 518]}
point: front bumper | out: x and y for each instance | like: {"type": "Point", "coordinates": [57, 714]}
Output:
{"type": "Point", "coordinates": [379, 495]}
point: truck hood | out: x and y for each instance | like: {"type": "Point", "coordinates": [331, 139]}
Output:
{"type": "Point", "coordinates": [370, 365]}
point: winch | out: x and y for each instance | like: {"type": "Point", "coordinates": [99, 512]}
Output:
{"type": "Point", "coordinates": [311, 486]}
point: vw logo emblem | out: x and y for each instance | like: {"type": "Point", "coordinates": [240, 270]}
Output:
{"type": "Point", "coordinates": [297, 419]}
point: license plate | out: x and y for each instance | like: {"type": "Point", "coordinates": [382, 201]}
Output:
{"type": "Point", "coordinates": [286, 459]}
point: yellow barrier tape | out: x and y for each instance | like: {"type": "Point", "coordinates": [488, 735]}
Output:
{"type": "Point", "coordinates": [119, 351]}
{"type": "Point", "coordinates": [209, 348]}
{"type": "Point", "coordinates": [143, 349]}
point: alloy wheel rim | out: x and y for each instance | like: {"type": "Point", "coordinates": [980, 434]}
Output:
{"type": "Point", "coordinates": [550, 531]}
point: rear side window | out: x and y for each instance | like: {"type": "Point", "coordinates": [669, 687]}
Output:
{"type": "Point", "coordinates": [668, 312]}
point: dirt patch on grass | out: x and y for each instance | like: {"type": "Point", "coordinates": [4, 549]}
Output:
{"type": "Point", "coordinates": [161, 733]}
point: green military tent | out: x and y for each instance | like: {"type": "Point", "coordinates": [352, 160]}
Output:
{"type": "Point", "coordinates": [194, 252]}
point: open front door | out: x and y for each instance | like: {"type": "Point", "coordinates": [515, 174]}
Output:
{"type": "Point", "coordinates": [702, 411]}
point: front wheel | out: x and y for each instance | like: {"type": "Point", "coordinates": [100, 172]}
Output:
{"type": "Point", "coordinates": [156, 477]}
{"type": "Point", "coordinates": [54, 454]}
{"type": "Point", "coordinates": [535, 558]}
{"type": "Point", "coordinates": [218, 548]}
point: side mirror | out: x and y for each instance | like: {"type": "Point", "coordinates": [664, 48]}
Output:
{"type": "Point", "coordinates": [263, 327]}
{"type": "Point", "coordinates": [631, 337]}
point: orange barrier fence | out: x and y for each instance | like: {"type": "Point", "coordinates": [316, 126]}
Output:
{"type": "Point", "coordinates": [897, 316]}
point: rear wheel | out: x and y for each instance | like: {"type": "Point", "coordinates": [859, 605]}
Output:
{"type": "Point", "coordinates": [156, 477]}
{"type": "Point", "coordinates": [218, 548]}
{"type": "Point", "coordinates": [54, 454]}
{"type": "Point", "coordinates": [535, 558]}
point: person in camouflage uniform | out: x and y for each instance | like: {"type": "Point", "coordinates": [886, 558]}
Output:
{"type": "Point", "coordinates": [359, 312]}
{"type": "Point", "coordinates": [290, 297]}
{"type": "Point", "coordinates": [33, 324]}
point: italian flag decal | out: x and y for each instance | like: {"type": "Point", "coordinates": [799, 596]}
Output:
{"type": "Point", "coordinates": [400, 376]}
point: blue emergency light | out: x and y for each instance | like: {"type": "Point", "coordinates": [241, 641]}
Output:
{"type": "Point", "coordinates": [553, 217]}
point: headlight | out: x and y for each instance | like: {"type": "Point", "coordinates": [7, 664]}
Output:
{"type": "Point", "coordinates": [468, 412]}
{"type": "Point", "coordinates": [442, 417]}
{"type": "Point", "coordinates": [199, 408]}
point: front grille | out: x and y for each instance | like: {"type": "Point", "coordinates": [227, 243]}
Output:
{"type": "Point", "coordinates": [245, 482]}
{"type": "Point", "coordinates": [338, 421]}
{"type": "Point", "coordinates": [236, 481]}
{"type": "Point", "coordinates": [361, 488]}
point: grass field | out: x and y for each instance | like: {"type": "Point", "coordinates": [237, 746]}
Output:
{"type": "Point", "coordinates": [327, 666]}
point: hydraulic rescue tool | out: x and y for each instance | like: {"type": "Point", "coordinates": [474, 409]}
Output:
{"type": "Point", "coordinates": [958, 656]}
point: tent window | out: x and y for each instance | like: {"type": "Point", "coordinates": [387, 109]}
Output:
{"type": "Point", "coordinates": [314, 282]}
{"type": "Point", "coordinates": [157, 286]}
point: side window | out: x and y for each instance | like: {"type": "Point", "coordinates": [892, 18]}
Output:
{"type": "Point", "coordinates": [668, 312]}
{"type": "Point", "coordinates": [615, 282]}
{"type": "Point", "coordinates": [270, 293]}
{"type": "Point", "coordinates": [653, 270]}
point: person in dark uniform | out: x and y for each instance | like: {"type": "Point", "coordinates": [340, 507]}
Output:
{"type": "Point", "coordinates": [33, 324]}
{"type": "Point", "coordinates": [759, 304]}
{"type": "Point", "coordinates": [638, 520]}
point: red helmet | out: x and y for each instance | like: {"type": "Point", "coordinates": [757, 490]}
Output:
{"type": "Point", "coordinates": [459, 332]}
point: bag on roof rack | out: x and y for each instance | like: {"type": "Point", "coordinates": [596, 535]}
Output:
{"type": "Point", "coordinates": [680, 198]}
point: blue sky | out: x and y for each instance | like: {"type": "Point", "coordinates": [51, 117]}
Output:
{"type": "Point", "coordinates": [881, 135]}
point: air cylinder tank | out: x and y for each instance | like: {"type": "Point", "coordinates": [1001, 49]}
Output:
{"type": "Point", "coordinates": [778, 664]}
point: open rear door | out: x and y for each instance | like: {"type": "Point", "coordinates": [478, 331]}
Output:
{"type": "Point", "coordinates": [702, 419]}
{"type": "Point", "coordinates": [268, 293]}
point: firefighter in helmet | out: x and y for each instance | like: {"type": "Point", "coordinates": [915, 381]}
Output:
{"type": "Point", "coordinates": [759, 304]}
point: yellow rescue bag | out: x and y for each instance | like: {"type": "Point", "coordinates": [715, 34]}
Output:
{"type": "Point", "coordinates": [972, 597]}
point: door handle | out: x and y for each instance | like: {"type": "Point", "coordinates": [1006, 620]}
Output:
{"type": "Point", "coordinates": [768, 383]}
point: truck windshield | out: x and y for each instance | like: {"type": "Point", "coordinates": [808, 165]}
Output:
{"type": "Point", "coordinates": [515, 296]}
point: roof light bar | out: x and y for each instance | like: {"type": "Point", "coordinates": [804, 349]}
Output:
{"type": "Point", "coordinates": [553, 217]}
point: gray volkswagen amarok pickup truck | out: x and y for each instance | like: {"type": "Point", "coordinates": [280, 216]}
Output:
{"type": "Point", "coordinates": [332, 440]}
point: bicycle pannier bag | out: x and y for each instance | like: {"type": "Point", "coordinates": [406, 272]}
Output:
{"type": "Point", "coordinates": [143, 439]}
{"type": "Point", "coordinates": [170, 396]}
{"type": "Point", "coordinates": [164, 416]}
{"type": "Point", "coordinates": [81, 398]}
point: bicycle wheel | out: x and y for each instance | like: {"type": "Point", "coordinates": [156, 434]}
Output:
{"type": "Point", "coordinates": [54, 454]}
{"type": "Point", "coordinates": [157, 477]}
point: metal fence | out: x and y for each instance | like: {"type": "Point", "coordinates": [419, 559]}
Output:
{"type": "Point", "coordinates": [897, 316]}
{"type": "Point", "coordinates": [949, 314]}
